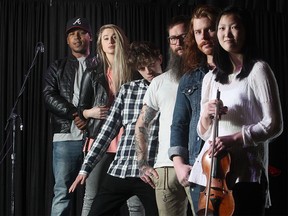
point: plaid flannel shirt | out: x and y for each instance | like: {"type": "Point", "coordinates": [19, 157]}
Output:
{"type": "Point", "coordinates": [124, 112]}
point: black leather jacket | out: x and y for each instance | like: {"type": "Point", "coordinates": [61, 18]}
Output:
{"type": "Point", "coordinates": [94, 92]}
{"type": "Point", "coordinates": [58, 88]}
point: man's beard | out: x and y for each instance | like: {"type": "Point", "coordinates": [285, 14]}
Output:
{"type": "Point", "coordinates": [176, 65]}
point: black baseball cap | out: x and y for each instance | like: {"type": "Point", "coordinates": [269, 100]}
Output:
{"type": "Point", "coordinates": [80, 23]}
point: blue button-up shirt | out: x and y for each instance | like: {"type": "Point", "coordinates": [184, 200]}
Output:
{"type": "Point", "coordinates": [185, 141]}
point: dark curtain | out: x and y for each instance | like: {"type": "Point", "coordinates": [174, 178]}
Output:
{"type": "Point", "coordinates": [24, 23]}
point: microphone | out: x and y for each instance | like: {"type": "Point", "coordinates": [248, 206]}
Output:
{"type": "Point", "coordinates": [40, 47]}
{"type": "Point", "coordinates": [21, 123]}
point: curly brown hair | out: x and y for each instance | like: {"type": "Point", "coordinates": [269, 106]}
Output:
{"type": "Point", "coordinates": [142, 54]}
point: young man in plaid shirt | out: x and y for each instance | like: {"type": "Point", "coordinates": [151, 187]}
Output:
{"type": "Point", "coordinates": [122, 180]}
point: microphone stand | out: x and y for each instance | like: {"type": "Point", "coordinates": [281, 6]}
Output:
{"type": "Point", "coordinates": [13, 116]}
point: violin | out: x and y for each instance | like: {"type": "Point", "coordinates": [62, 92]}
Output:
{"type": "Point", "coordinates": [216, 199]}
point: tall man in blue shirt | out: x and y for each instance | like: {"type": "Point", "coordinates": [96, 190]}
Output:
{"type": "Point", "coordinates": [185, 144]}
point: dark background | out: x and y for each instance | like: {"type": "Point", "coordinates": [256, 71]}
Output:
{"type": "Point", "coordinates": [24, 23]}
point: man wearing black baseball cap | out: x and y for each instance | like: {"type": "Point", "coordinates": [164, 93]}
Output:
{"type": "Point", "coordinates": [78, 23]}
{"type": "Point", "coordinates": [61, 94]}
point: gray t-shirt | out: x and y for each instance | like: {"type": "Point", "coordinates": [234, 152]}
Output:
{"type": "Point", "coordinates": [75, 134]}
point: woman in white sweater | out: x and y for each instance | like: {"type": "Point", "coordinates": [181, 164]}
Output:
{"type": "Point", "coordinates": [250, 92]}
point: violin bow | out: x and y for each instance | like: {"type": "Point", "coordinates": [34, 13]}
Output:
{"type": "Point", "coordinates": [215, 134]}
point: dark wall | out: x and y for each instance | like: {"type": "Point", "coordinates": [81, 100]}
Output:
{"type": "Point", "coordinates": [24, 23]}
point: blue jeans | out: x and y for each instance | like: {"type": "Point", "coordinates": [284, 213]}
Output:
{"type": "Point", "coordinates": [195, 190]}
{"type": "Point", "coordinates": [67, 160]}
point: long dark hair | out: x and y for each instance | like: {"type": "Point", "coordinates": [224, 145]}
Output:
{"type": "Point", "coordinates": [221, 58]}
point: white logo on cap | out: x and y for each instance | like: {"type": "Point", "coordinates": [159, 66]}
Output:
{"type": "Point", "coordinates": [78, 21]}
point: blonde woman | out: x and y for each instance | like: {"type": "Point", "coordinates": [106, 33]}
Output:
{"type": "Point", "coordinates": [99, 88]}
{"type": "Point", "coordinates": [112, 46]}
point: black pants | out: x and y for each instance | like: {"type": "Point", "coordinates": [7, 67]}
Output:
{"type": "Point", "coordinates": [249, 198]}
{"type": "Point", "coordinates": [114, 192]}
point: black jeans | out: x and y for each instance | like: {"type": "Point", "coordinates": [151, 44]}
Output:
{"type": "Point", "coordinates": [249, 198]}
{"type": "Point", "coordinates": [114, 192]}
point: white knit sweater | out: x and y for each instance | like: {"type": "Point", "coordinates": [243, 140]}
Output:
{"type": "Point", "coordinates": [254, 109]}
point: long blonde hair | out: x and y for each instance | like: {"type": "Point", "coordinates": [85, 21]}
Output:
{"type": "Point", "coordinates": [121, 70]}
